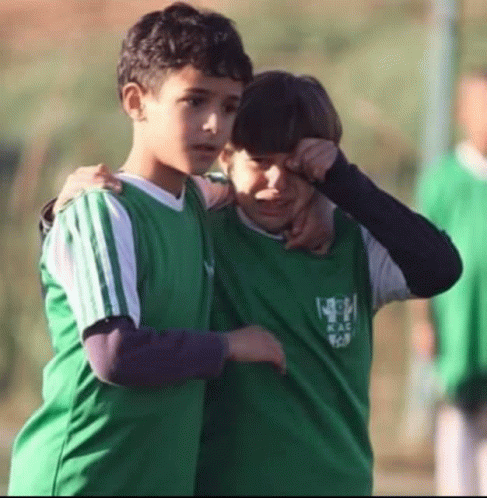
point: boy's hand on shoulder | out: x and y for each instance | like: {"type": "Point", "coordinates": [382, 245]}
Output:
{"type": "Point", "coordinates": [313, 158]}
{"type": "Point", "coordinates": [255, 344]}
{"type": "Point", "coordinates": [86, 178]}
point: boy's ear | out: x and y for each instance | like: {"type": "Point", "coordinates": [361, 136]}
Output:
{"type": "Point", "coordinates": [225, 158]}
{"type": "Point", "coordinates": [133, 101]}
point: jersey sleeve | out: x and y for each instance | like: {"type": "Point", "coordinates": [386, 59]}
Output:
{"type": "Point", "coordinates": [216, 190]}
{"type": "Point", "coordinates": [386, 278]}
{"type": "Point", "coordinates": [90, 253]}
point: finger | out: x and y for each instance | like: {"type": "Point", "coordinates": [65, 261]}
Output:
{"type": "Point", "coordinates": [86, 171]}
{"type": "Point", "coordinates": [316, 162]}
{"type": "Point", "coordinates": [312, 153]}
{"type": "Point", "coordinates": [80, 178]}
{"type": "Point", "coordinates": [107, 179]}
{"type": "Point", "coordinates": [305, 238]}
{"type": "Point", "coordinates": [298, 223]}
{"type": "Point", "coordinates": [315, 158]}
{"type": "Point", "coordinates": [281, 366]}
{"type": "Point", "coordinates": [306, 144]}
{"type": "Point", "coordinates": [76, 187]}
{"type": "Point", "coordinates": [306, 197]}
{"type": "Point", "coordinates": [293, 243]}
{"type": "Point", "coordinates": [296, 242]}
{"type": "Point", "coordinates": [281, 360]}
{"type": "Point", "coordinates": [327, 155]}
{"type": "Point", "coordinates": [296, 159]}
{"type": "Point", "coordinates": [277, 349]}
{"type": "Point", "coordinates": [103, 169]}
{"type": "Point", "coordinates": [105, 182]}
{"type": "Point", "coordinates": [324, 248]}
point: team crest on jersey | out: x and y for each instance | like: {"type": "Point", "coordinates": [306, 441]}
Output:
{"type": "Point", "coordinates": [340, 314]}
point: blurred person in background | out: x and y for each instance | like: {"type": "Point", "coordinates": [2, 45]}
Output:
{"type": "Point", "coordinates": [452, 327]}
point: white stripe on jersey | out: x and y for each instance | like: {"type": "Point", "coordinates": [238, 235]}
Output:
{"type": "Point", "coordinates": [386, 278]}
{"type": "Point", "coordinates": [104, 259]}
{"type": "Point", "coordinates": [64, 245]}
{"type": "Point", "coordinates": [73, 264]}
{"type": "Point", "coordinates": [89, 288]}
{"type": "Point", "coordinates": [124, 241]}
{"type": "Point", "coordinates": [60, 265]}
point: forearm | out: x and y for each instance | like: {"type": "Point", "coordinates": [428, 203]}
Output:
{"type": "Point", "coordinates": [421, 310]}
{"type": "Point", "coordinates": [426, 256]}
{"type": "Point", "coordinates": [122, 354]}
{"type": "Point", "coordinates": [423, 332]}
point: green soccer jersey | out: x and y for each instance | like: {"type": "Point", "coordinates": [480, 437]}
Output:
{"type": "Point", "coordinates": [305, 433]}
{"type": "Point", "coordinates": [453, 194]}
{"type": "Point", "coordinates": [142, 254]}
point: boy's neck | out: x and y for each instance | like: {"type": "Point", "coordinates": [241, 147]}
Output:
{"type": "Point", "coordinates": [144, 164]}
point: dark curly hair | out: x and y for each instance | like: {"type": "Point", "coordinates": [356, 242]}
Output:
{"type": "Point", "coordinates": [175, 37]}
{"type": "Point", "coordinates": [278, 109]}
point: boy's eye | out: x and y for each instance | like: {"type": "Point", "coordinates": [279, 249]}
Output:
{"type": "Point", "coordinates": [260, 162]}
{"type": "Point", "coordinates": [230, 108]}
{"type": "Point", "coordinates": [193, 101]}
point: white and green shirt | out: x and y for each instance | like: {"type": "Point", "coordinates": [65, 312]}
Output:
{"type": "Point", "coordinates": [305, 433]}
{"type": "Point", "coordinates": [142, 254]}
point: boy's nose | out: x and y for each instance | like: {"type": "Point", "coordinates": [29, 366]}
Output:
{"type": "Point", "coordinates": [276, 177]}
{"type": "Point", "coordinates": [211, 123]}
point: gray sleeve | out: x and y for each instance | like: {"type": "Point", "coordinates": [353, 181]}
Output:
{"type": "Point", "coordinates": [386, 278]}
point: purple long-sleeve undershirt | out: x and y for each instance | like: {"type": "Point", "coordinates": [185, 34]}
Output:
{"type": "Point", "coordinates": [122, 354]}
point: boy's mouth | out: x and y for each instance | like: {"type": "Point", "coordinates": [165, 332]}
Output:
{"type": "Point", "coordinates": [273, 207]}
{"type": "Point", "coordinates": [206, 148]}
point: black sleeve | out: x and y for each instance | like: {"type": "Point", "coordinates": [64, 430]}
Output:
{"type": "Point", "coordinates": [428, 259]}
{"type": "Point", "coordinates": [122, 354]}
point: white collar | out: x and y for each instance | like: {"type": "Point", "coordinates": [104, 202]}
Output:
{"type": "Point", "coordinates": [158, 193]}
{"type": "Point", "coordinates": [253, 226]}
{"type": "Point", "coordinates": [472, 160]}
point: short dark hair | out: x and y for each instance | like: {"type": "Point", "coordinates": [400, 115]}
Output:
{"type": "Point", "coordinates": [278, 109]}
{"type": "Point", "coordinates": [177, 36]}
